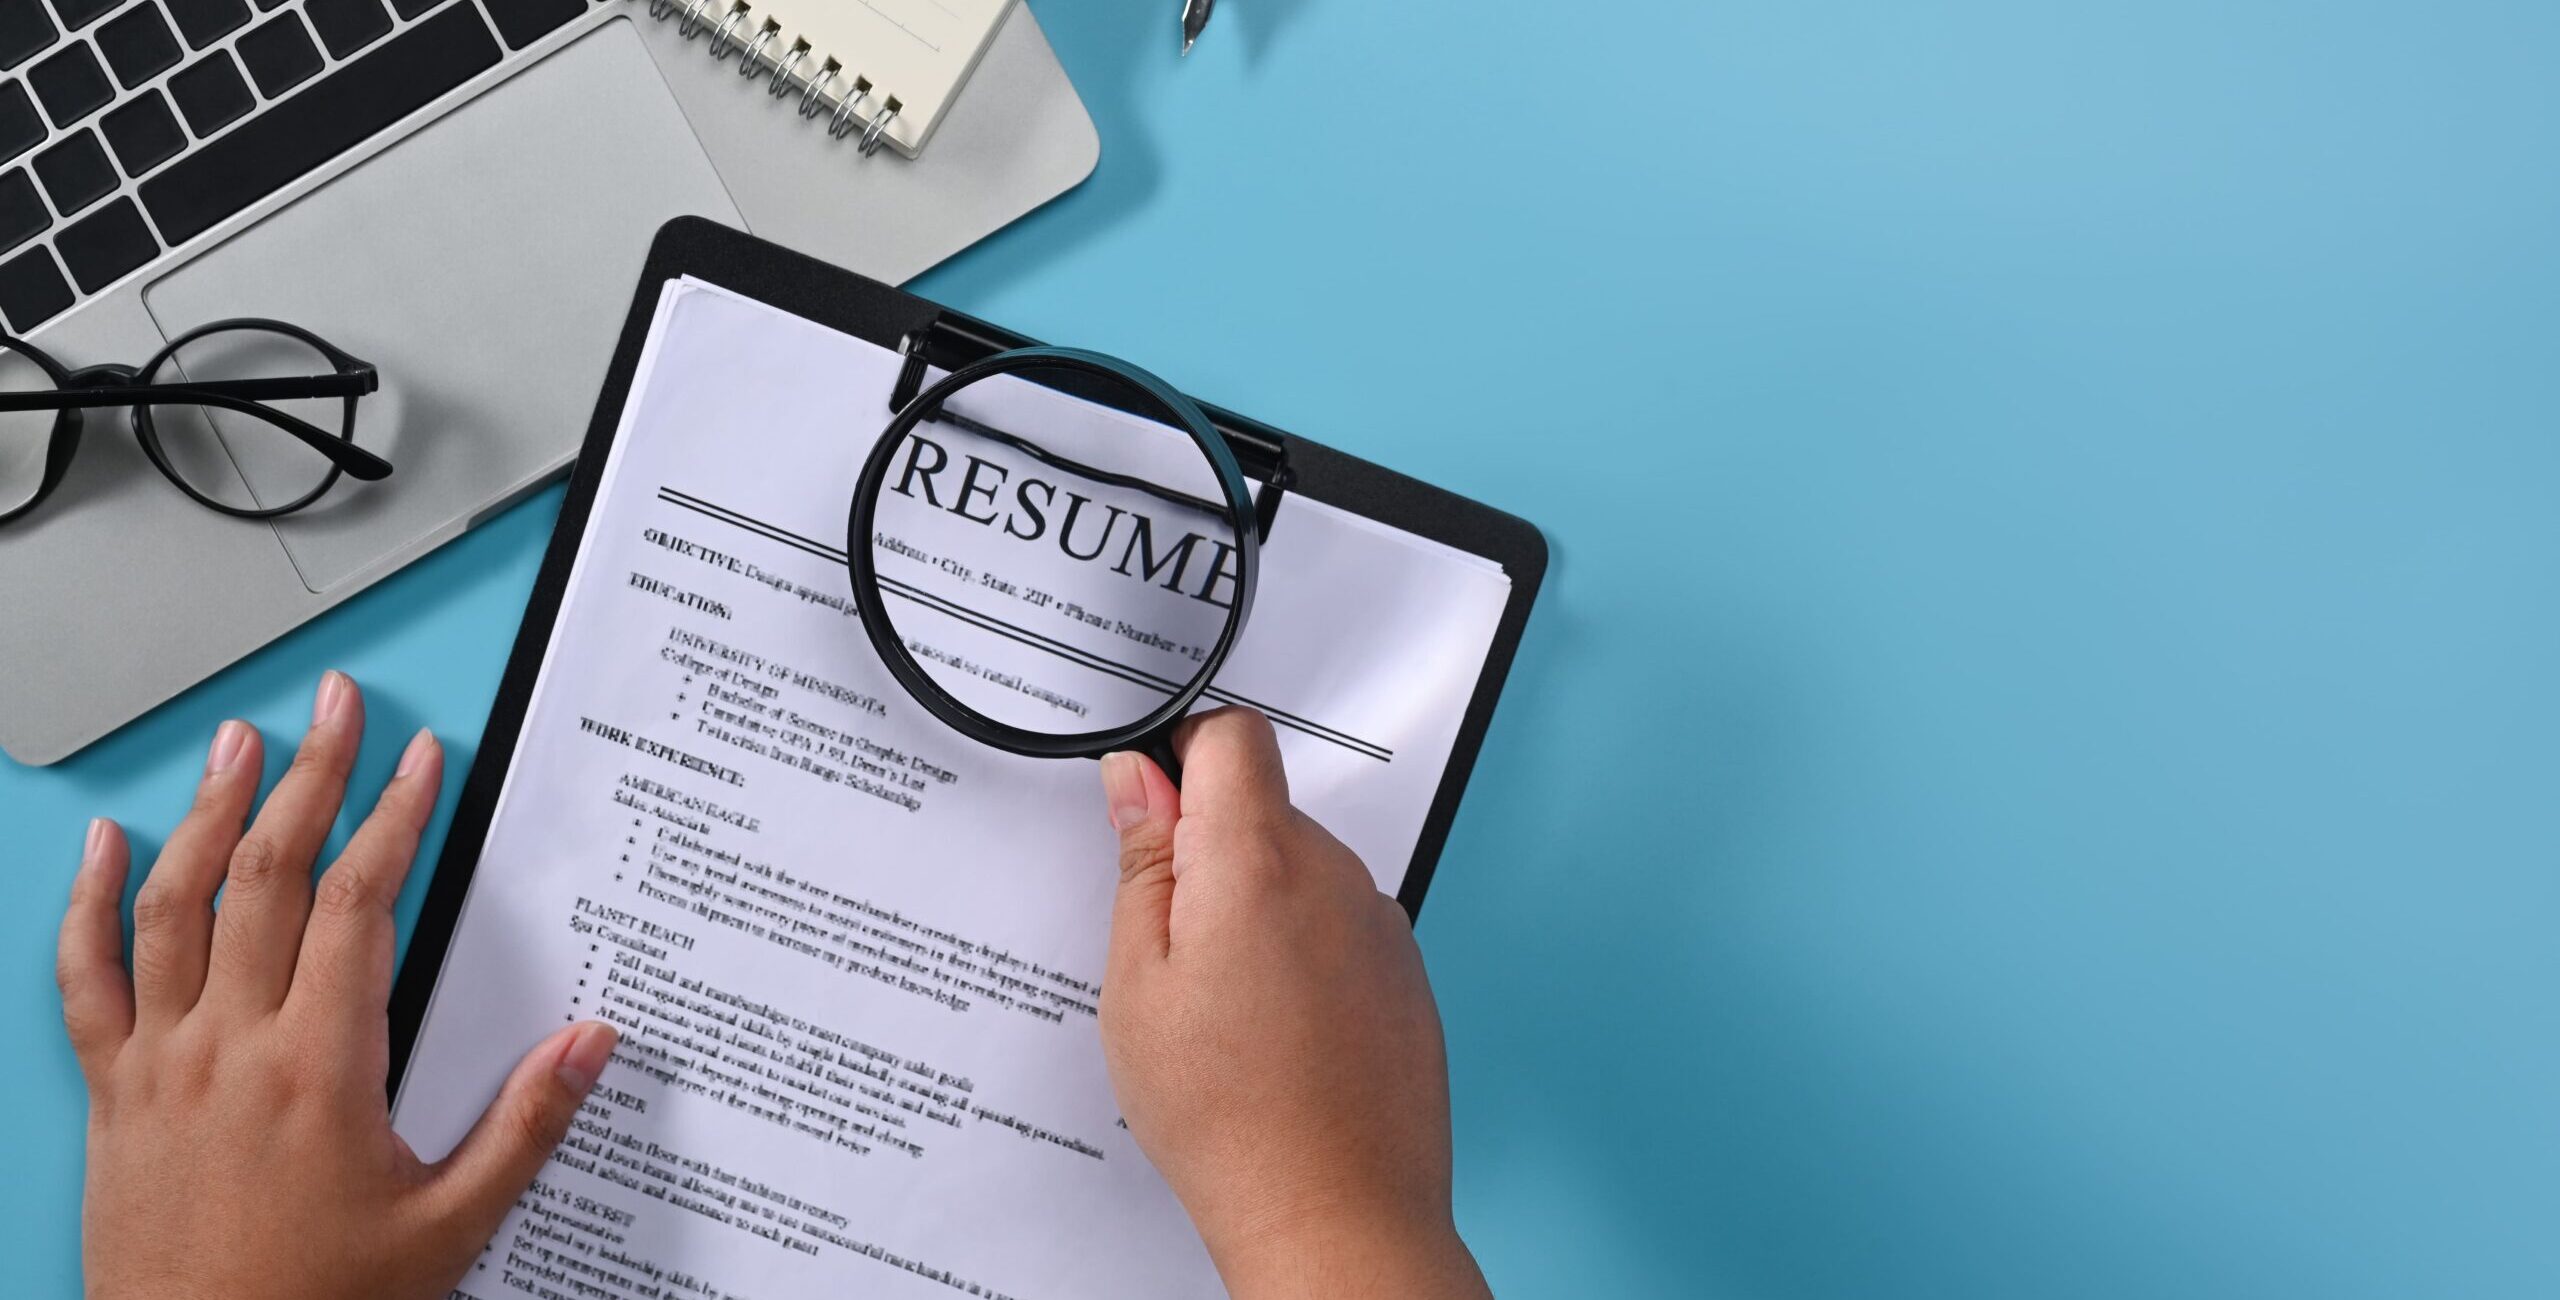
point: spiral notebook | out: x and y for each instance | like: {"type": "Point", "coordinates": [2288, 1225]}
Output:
{"type": "Point", "coordinates": [878, 71]}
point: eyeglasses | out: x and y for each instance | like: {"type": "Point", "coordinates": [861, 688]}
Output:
{"type": "Point", "coordinates": [253, 418]}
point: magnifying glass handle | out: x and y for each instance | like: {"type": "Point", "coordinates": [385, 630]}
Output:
{"type": "Point", "coordinates": [1160, 748]}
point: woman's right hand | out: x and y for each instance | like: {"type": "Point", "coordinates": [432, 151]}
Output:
{"type": "Point", "coordinates": [1270, 1033]}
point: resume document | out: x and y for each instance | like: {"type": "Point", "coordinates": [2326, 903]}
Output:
{"type": "Point", "coordinates": [856, 957]}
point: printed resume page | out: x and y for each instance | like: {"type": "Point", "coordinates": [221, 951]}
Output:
{"type": "Point", "coordinates": [854, 955]}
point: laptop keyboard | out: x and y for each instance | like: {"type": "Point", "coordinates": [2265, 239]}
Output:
{"type": "Point", "coordinates": [131, 126]}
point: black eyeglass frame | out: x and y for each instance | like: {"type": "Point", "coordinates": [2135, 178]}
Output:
{"type": "Point", "coordinates": [109, 386]}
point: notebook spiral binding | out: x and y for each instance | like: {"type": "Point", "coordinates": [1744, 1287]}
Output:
{"type": "Point", "coordinates": [825, 88]}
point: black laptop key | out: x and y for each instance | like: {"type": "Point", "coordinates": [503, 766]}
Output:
{"type": "Point", "coordinates": [25, 29]}
{"type": "Point", "coordinates": [77, 14]}
{"type": "Point", "coordinates": [346, 26]}
{"type": "Point", "coordinates": [331, 116]}
{"type": "Point", "coordinates": [138, 45]}
{"type": "Point", "coordinates": [32, 291]}
{"type": "Point", "coordinates": [143, 133]}
{"type": "Point", "coordinates": [279, 55]}
{"type": "Point", "coordinates": [76, 173]}
{"type": "Point", "coordinates": [413, 8]}
{"type": "Point", "coordinates": [105, 244]}
{"type": "Point", "coordinates": [211, 94]}
{"type": "Point", "coordinates": [20, 128]}
{"type": "Point", "coordinates": [22, 214]}
{"type": "Point", "coordinates": [71, 84]}
{"type": "Point", "coordinates": [524, 21]}
{"type": "Point", "coordinates": [203, 22]}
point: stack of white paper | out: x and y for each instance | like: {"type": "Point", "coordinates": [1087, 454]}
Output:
{"type": "Point", "coordinates": [855, 956]}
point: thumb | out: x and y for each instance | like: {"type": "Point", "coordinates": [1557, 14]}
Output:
{"type": "Point", "coordinates": [1144, 807]}
{"type": "Point", "coordinates": [500, 1155]}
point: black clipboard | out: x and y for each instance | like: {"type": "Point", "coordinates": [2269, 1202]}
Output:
{"type": "Point", "coordinates": [899, 321]}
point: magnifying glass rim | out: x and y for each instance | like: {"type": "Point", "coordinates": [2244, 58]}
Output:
{"type": "Point", "coordinates": [911, 674]}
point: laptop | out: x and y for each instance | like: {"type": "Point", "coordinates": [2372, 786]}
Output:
{"type": "Point", "coordinates": [458, 191]}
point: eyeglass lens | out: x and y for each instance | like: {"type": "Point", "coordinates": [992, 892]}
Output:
{"type": "Point", "coordinates": [24, 435]}
{"type": "Point", "coordinates": [234, 459]}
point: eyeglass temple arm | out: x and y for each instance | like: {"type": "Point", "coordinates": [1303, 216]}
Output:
{"type": "Point", "coordinates": [350, 384]}
{"type": "Point", "coordinates": [356, 461]}
{"type": "Point", "coordinates": [285, 389]}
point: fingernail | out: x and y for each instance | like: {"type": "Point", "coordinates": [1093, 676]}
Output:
{"type": "Point", "coordinates": [97, 840]}
{"type": "Point", "coordinates": [416, 753]}
{"type": "Point", "coordinates": [586, 1057]}
{"type": "Point", "coordinates": [228, 740]}
{"type": "Point", "coordinates": [332, 697]}
{"type": "Point", "coordinates": [1124, 787]}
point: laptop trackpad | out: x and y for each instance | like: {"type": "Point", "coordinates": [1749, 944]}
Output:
{"type": "Point", "coordinates": [484, 264]}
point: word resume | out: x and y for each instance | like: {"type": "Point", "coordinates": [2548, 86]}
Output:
{"type": "Point", "coordinates": [855, 956]}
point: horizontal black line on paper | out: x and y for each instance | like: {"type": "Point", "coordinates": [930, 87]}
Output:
{"type": "Point", "coordinates": [1082, 658]}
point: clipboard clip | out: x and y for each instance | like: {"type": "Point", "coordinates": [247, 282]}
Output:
{"type": "Point", "coordinates": [948, 344]}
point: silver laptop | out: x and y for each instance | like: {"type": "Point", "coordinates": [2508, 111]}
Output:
{"type": "Point", "coordinates": [458, 191]}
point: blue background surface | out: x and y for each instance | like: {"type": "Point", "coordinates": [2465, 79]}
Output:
{"type": "Point", "coordinates": [2035, 774]}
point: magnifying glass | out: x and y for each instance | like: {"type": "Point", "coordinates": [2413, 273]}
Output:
{"type": "Point", "coordinates": [1054, 552]}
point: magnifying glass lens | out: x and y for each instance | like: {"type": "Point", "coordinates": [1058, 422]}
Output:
{"type": "Point", "coordinates": [1054, 551]}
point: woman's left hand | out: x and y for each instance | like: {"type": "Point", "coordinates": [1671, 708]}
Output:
{"type": "Point", "coordinates": [239, 1141]}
